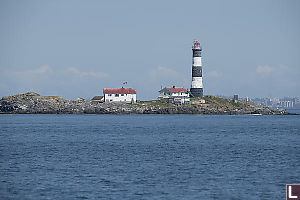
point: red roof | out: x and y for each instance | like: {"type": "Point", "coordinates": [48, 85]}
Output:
{"type": "Point", "coordinates": [177, 89]}
{"type": "Point", "coordinates": [119, 91]}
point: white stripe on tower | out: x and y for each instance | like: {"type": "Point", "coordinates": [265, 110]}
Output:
{"type": "Point", "coordinates": [197, 82]}
{"type": "Point", "coordinates": [197, 61]}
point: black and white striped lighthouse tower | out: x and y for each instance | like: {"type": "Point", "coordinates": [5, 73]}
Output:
{"type": "Point", "coordinates": [197, 87]}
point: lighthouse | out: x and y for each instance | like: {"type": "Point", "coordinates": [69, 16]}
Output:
{"type": "Point", "coordinates": [197, 87]}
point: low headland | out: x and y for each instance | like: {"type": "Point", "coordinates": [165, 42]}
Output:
{"type": "Point", "coordinates": [33, 103]}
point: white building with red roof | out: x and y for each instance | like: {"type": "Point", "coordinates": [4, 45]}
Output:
{"type": "Point", "coordinates": [127, 95]}
{"type": "Point", "coordinates": [177, 95]}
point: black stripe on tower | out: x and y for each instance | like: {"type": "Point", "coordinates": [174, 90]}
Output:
{"type": "Point", "coordinates": [196, 53]}
{"type": "Point", "coordinates": [196, 71]}
{"type": "Point", "coordinates": [197, 92]}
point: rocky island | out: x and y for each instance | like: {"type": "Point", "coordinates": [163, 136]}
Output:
{"type": "Point", "coordinates": [33, 103]}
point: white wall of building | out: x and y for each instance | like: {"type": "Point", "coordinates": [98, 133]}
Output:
{"type": "Point", "coordinates": [180, 94]}
{"type": "Point", "coordinates": [175, 94]}
{"type": "Point", "coordinates": [120, 97]}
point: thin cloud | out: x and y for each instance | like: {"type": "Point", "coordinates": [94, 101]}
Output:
{"type": "Point", "coordinates": [162, 72]}
{"type": "Point", "coordinates": [214, 74]}
{"type": "Point", "coordinates": [51, 80]}
{"type": "Point", "coordinates": [76, 71]}
{"type": "Point", "coordinates": [285, 68]}
{"type": "Point", "coordinates": [44, 69]}
{"type": "Point", "coordinates": [47, 70]}
{"type": "Point", "coordinates": [264, 70]}
{"type": "Point", "coordinates": [41, 70]}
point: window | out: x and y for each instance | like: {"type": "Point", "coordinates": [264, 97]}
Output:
{"type": "Point", "coordinates": [122, 95]}
{"type": "Point", "coordinates": [116, 95]}
{"type": "Point", "coordinates": [109, 95]}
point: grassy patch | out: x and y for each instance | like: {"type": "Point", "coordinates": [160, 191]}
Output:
{"type": "Point", "coordinates": [212, 99]}
{"type": "Point", "coordinates": [238, 104]}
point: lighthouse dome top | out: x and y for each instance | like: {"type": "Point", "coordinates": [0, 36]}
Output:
{"type": "Point", "coordinates": [196, 45]}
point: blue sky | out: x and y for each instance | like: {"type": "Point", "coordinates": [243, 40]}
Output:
{"type": "Point", "coordinates": [77, 48]}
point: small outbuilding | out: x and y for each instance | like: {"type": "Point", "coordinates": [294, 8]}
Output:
{"type": "Point", "coordinates": [235, 98]}
{"type": "Point", "coordinates": [99, 99]}
{"type": "Point", "coordinates": [179, 100]}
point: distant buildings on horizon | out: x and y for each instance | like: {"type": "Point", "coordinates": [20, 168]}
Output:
{"type": "Point", "coordinates": [276, 102]}
{"type": "Point", "coordinates": [286, 102]}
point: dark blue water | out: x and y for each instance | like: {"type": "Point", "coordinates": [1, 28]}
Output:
{"type": "Point", "coordinates": [148, 156]}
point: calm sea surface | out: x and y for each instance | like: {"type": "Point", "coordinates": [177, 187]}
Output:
{"type": "Point", "coordinates": [148, 156]}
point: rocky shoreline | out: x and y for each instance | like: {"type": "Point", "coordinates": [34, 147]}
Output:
{"type": "Point", "coordinates": [33, 103]}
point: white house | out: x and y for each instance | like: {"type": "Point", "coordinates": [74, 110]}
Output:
{"type": "Point", "coordinates": [175, 95]}
{"type": "Point", "coordinates": [168, 92]}
{"type": "Point", "coordinates": [127, 95]}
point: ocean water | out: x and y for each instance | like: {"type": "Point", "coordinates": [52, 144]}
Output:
{"type": "Point", "coordinates": [148, 156]}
